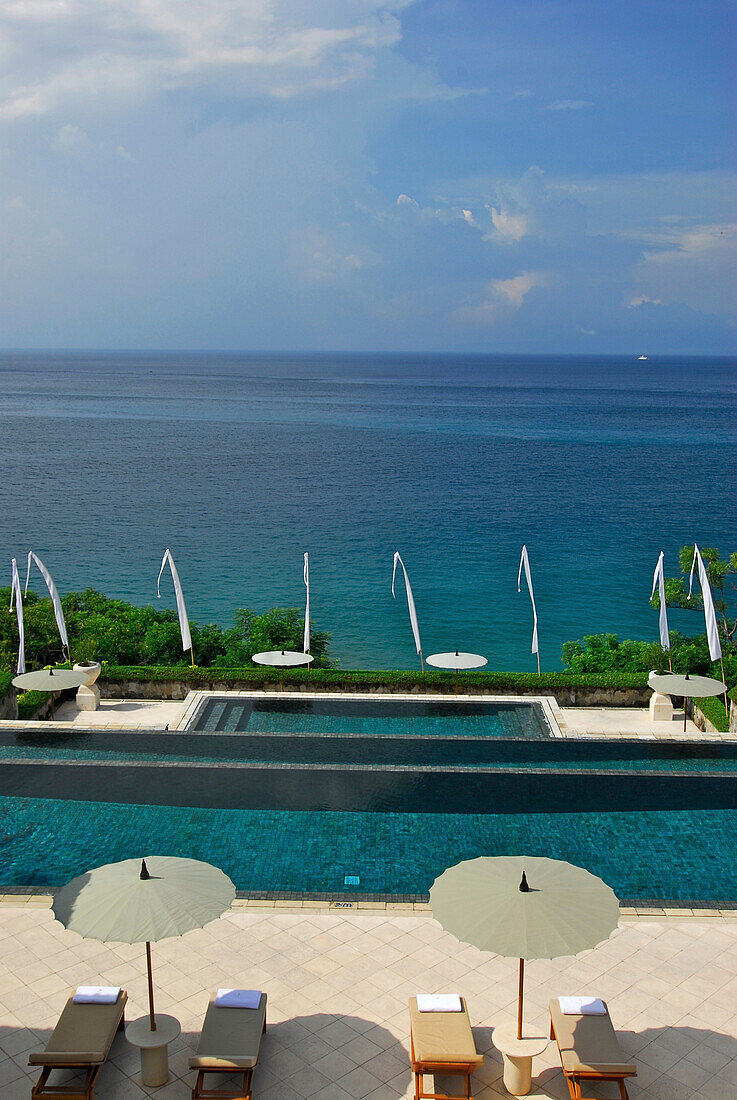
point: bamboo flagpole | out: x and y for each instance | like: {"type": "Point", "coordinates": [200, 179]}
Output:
{"type": "Point", "coordinates": [56, 601]}
{"type": "Point", "coordinates": [524, 563]}
{"type": "Point", "coordinates": [659, 581]}
{"type": "Point", "coordinates": [181, 606]}
{"type": "Point", "coordinates": [15, 596]}
{"type": "Point", "coordinates": [710, 616]}
{"type": "Point", "coordinates": [306, 639]}
{"type": "Point", "coordinates": [410, 605]}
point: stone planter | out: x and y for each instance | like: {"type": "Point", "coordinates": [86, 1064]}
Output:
{"type": "Point", "coordinates": [88, 695]}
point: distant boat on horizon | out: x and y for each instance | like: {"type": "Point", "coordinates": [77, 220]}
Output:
{"type": "Point", "coordinates": [642, 357]}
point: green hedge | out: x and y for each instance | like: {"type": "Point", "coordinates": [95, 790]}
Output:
{"type": "Point", "coordinates": [6, 683]}
{"type": "Point", "coordinates": [29, 702]}
{"type": "Point", "coordinates": [509, 681]}
{"type": "Point", "coordinates": [715, 711]}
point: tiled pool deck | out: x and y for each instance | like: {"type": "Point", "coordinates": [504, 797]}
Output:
{"type": "Point", "coordinates": [338, 983]}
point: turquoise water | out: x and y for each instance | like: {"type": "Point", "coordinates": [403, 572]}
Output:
{"type": "Point", "coordinates": [366, 716]}
{"type": "Point", "coordinates": [241, 463]}
{"type": "Point", "coordinates": [667, 855]}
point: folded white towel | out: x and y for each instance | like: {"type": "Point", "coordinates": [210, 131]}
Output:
{"type": "Point", "coordinates": [582, 1006]}
{"type": "Point", "coordinates": [439, 1002]}
{"type": "Point", "coordinates": [96, 994]}
{"type": "Point", "coordinates": [238, 998]}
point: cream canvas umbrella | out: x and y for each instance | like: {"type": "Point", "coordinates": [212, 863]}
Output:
{"type": "Point", "coordinates": [282, 658]}
{"type": "Point", "coordinates": [524, 907]}
{"type": "Point", "coordinates": [143, 901]}
{"type": "Point", "coordinates": [50, 679]}
{"type": "Point", "coordinates": [688, 687]}
{"type": "Point", "coordinates": [456, 660]}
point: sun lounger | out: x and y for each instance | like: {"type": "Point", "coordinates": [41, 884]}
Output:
{"type": "Point", "coordinates": [81, 1040]}
{"type": "Point", "coordinates": [229, 1044]}
{"type": "Point", "coordinates": [589, 1050]}
{"type": "Point", "coordinates": [442, 1044]}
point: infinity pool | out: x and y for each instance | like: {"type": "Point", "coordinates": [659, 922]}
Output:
{"type": "Point", "coordinates": [304, 797]}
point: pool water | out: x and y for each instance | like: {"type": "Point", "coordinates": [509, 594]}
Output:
{"type": "Point", "coordinates": [667, 855]}
{"type": "Point", "coordinates": [371, 716]}
{"type": "Point", "coordinates": [292, 796]}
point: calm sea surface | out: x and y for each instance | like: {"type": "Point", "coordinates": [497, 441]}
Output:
{"type": "Point", "coordinates": [240, 463]}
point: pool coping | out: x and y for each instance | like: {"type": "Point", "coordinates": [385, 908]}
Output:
{"type": "Point", "coordinates": [411, 905]}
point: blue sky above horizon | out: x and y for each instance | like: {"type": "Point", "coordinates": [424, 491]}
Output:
{"type": "Point", "coordinates": [460, 175]}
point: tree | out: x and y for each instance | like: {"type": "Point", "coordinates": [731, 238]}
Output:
{"type": "Point", "coordinates": [123, 634]}
{"type": "Point", "coordinates": [724, 590]}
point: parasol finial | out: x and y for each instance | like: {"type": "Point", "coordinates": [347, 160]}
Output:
{"type": "Point", "coordinates": [144, 870]}
{"type": "Point", "coordinates": [524, 888]}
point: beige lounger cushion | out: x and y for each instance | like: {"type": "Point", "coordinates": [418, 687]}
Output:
{"type": "Point", "coordinates": [588, 1044]}
{"type": "Point", "coordinates": [230, 1037]}
{"type": "Point", "coordinates": [443, 1036]}
{"type": "Point", "coordinates": [83, 1034]}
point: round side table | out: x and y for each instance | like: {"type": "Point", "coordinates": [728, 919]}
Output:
{"type": "Point", "coordinates": [154, 1046]}
{"type": "Point", "coordinates": [517, 1055]}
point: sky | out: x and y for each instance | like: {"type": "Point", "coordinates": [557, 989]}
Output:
{"type": "Point", "coordinates": [390, 175]}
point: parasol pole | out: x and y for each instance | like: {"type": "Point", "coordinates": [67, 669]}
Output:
{"type": "Point", "coordinates": [144, 875]}
{"type": "Point", "coordinates": [538, 664]}
{"type": "Point", "coordinates": [150, 987]}
{"type": "Point", "coordinates": [520, 994]}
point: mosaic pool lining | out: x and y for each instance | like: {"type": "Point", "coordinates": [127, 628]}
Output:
{"type": "Point", "coordinates": [653, 854]}
{"type": "Point", "coordinates": [369, 715]}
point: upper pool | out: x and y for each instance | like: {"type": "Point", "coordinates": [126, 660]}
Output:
{"type": "Point", "coordinates": [367, 715]}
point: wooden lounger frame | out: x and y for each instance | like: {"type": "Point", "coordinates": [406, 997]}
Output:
{"type": "Point", "coordinates": [201, 1092]}
{"type": "Point", "coordinates": [575, 1077]}
{"type": "Point", "coordinates": [86, 1090]}
{"type": "Point", "coordinates": [443, 1069]}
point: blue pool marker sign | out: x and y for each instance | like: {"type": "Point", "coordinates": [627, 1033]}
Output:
{"type": "Point", "coordinates": [352, 880]}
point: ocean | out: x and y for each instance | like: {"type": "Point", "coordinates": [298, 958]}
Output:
{"type": "Point", "coordinates": [240, 463]}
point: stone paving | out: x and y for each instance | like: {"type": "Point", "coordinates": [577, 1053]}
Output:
{"type": "Point", "coordinates": [338, 983]}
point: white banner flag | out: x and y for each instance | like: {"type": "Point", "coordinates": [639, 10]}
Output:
{"type": "Point", "coordinates": [712, 631]}
{"type": "Point", "coordinates": [306, 640]}
{"type": "Point", "coordinates": [181, 608]}
{"type": "Point", "coordinates": [58, 609]}
{"type": "Point", "coordinates": [659, 581]}
{"type": "Point", "coordinates": [410, 601]}
{"type": "Point", "coordinates": [15, 595]}
{"type": "Point", "coordinates": [524, 563]}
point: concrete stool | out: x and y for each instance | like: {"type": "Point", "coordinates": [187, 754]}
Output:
{"type": "Point", "coordinates": [661, 707]}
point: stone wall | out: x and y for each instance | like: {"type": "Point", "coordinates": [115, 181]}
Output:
{"type": "Point", "coordinates": [566, 696]}
{"type": "Point", "coordinates": [9, 706]}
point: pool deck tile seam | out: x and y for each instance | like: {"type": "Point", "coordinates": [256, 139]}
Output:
{"type": "Point", "coordinates": [414, 908]}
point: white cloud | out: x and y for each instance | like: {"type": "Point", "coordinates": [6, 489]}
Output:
{"type": "Point", "coordinates": [515, 290]}
{"type": "Point", "coordinates": [500, 297]}
{"type": "Point", "coordinates": [696, 266]}
{"type": "Point", "coordinates": [321, 255]}
{"type": "Point", "coordinates": [469, 218]}
{"type": "Point", "coordinates": [405, 200]}
{"type": "Point", "coordinates": [569, 105]}
{"type": "Point", "coordinates": [57, 52]}
{"type": "Point", "coordinates": [70, 137]}
{"type": "Point", "coordinates": [512, 227]}
{"type": "Point", "coordinates": [643, 300]}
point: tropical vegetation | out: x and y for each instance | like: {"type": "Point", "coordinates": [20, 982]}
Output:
{"type": "Point", "coordinates": [121, 633]}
